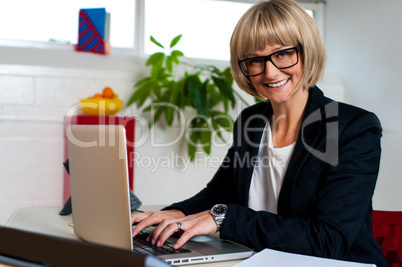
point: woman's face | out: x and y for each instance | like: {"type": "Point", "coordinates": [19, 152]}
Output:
{"type": "Point", "coordinates": [277, 85]}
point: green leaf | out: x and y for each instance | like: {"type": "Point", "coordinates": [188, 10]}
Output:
{"type": "Point", "coordinates": [147, 108]}
{"type": "Point", "coordinates": [142, 81]}
{"type": "Point", "coordinates": [222, 119]}
{"type": "Point", "coordinates": [157, 89]}
{"type": "Point", "coordinates": [158, 113]}
{"type": "Point", "coordinates": [227, 74]}
{"type": "Point", "coordinates": [193, 84]}
{"type": "Point", "coordinates": [218, 130]}
{"type": "Point", "coordinates": [169, 115]}
{"type": "Point", "coordinates": [175, 40]}
{"type": "Point", "coordinates": [157, 67]}
{"type": "Point", "coordinates": [198, 93]}
{"type": "Point", "coordinates": [163, 79]}
{"type": "Point", "coordinates": [169, 64]}
{"type": "Point", "coordinates": [177, 53]}
{"type": "Point", "coordinates": [205, 138]}
{"type": "Point", "coordinates": [150, 106]}
{"type": "Point", "coordinates": [131, 100]}
{"type": "Point", "coordinates": [144, 95]}
{"type": "Point", "coordinates": [156, 42]}
{"type": "Point", "coordinates": [225, 105]}
{"type": "Point", "coordinates": [175, 94]}
{"type": "Point", "coordinates": [191, 151]}
{"type": "Point", "coordinates": [155, 58]}
{"type": "Point", "coordinates": [203, 107]}
{"type": "Point", "coordinates": [215, 70]}
{"type": "Point", "coordinates": [172, 100]}
{"type": "Point", "coordinates": [214, 96]}
{"type": "Point", "coordinates": [157, 116]}
{"type": "Point", "coordinates": [140, 95]}
{"type": "Point", "coordinates": [175, 56]}
{"type": "Point", "coordinates": [192, 144]}
{"type": "Point", "coordinates": [226, 89]}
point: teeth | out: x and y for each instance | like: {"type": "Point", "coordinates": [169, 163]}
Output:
{"type": "Point", "coordinates": [277, 84]}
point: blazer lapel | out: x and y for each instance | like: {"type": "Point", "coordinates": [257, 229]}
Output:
{"type": "Point", "coordinates": [249, 149]}
{"type": "Point", "coordinates": [309, 134]}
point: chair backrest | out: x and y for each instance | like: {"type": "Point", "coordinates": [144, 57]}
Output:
{"type": "Point", "coordinates": [387, 231]}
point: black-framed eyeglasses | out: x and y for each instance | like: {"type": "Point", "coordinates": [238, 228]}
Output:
{"type": "Point", "coordinates": [282, 59]}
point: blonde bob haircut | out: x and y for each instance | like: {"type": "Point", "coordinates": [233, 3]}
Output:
{"type": "Point", "coordinates": [281, 22]}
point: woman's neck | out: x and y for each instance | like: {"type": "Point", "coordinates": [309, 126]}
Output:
{"type": "Point", "coordinates": [287, 118]}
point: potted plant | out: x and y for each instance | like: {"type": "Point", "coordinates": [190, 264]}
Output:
{"type": "Point", "coordinates": [204, 88]}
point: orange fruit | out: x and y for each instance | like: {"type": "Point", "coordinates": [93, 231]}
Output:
{"type": "Point", "coordinates": [97, 96]}
{"type": "Point", "coordinates": [108, 92]}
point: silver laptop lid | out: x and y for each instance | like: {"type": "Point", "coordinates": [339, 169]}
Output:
{"type": "Point", "coordinates": [98, 160]}
{"type": "Point", "coordinates": [100, 197]}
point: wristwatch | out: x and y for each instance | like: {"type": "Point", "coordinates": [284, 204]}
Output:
{"type": "Point", "coordinates": [218, 212]}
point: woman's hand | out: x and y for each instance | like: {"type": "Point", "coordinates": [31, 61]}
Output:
{"type": "Point", "coordinates": [149, 218]}
{"type": "Point", "coordinates": [193, 225]}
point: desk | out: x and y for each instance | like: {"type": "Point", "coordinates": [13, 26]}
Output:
{"type": "Point", "coordinates": [46, 220]}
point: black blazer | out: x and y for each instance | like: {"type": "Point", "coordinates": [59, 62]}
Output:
{"type": "Point", "coordinates": [325, 203]}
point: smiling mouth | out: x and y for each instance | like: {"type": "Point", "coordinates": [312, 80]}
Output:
{"type": "Point", "coordinates": [278, 84]}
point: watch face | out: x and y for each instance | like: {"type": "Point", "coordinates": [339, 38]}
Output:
{"type": "Point", "coordinates": [220, 209]}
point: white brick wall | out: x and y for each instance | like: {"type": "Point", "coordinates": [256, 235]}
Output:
{"type": "Point", "coordinates": [17, 90]}
{"type": "Point", "coordinates": [33, 103]}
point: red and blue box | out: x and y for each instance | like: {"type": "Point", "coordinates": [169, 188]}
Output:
{"type": "Point", "coordinates": [93, 30]}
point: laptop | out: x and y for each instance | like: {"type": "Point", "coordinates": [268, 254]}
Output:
{"type": "Point", "coordinates": [100, 198]}
{"type": "Point", "coordinates": [29, 249]}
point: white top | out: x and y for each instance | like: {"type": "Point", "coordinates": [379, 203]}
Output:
{"type": "Point", "coordinates": [268, 174]}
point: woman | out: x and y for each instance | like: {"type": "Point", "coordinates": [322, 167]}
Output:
{"type": "Point", "coordinates": [302, 168]}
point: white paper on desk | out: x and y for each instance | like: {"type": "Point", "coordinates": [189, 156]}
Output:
{"type": "Point", "coordinates": [270, 257]}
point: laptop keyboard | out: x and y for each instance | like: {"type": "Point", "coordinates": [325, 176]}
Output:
{"type": "Point", "coordinates": [140, 245]}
